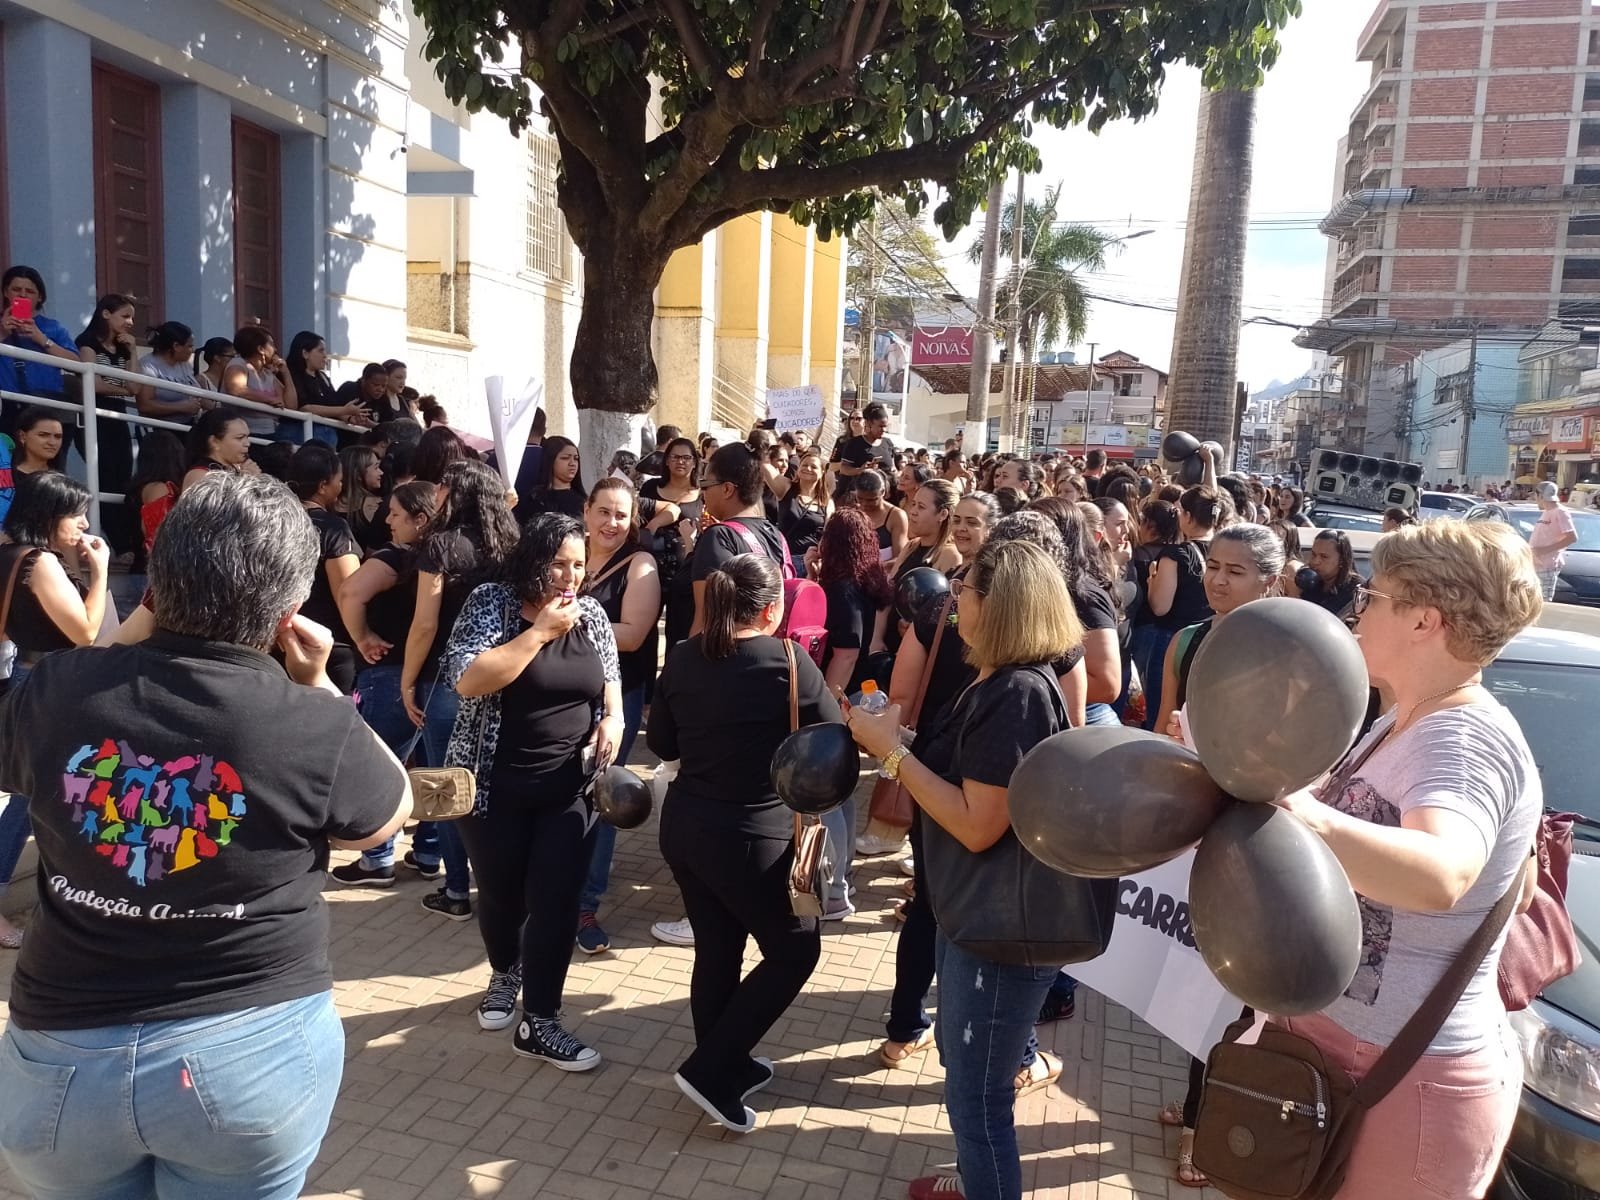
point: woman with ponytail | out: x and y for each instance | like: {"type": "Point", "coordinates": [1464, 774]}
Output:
{"type": "Point", "coordinates": [721, 708]}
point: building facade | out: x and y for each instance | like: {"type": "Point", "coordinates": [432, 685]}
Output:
{"type": "Point", "coordinates": [296, 164]}
{"type": "Point", "coordinates": [1554, 430]}
{"type": "Point", "coordinates": [1467, 191]}
{"type": "Point", "coordinates": [1460, 403]}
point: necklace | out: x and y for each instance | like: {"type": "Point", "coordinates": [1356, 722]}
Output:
{"type": "Point", "coordinates": [1451, 690]}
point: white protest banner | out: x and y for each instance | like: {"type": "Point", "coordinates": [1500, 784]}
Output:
{"type": "Point", "coordinates": [511, 411]}
{"type": "Point", "coordinates": [795, 408]}
{"type": "Point", "coordinates": [1152, 967]}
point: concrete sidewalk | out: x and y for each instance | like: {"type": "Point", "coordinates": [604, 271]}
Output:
{"type": "Point", "coordinates": [433, 1109]}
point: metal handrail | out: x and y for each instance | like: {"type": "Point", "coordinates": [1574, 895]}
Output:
{"type": "Point", "coordinates": [88, 372]}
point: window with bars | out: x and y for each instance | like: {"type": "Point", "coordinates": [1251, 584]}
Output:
{"type": "Point", "coordinates": [545, 237]}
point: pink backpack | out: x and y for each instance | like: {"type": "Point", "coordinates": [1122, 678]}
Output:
{"type": "Point", "coordinates": [805, 604]}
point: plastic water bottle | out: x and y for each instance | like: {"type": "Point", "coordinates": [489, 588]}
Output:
{"type": "Point", "coordinates": [874, 701]}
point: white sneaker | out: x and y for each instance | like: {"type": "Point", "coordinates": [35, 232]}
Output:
{"type": "Point", "coordinates": [908, 867]}
{"type": "Point", "coordinates": [871, 846]}
{"type": "Point", "coordinates": [673, 933]}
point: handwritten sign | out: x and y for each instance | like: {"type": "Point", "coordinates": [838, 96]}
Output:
{"type": "Point", "coordinates": [511, 412]}
{"type": "Point", "coordinates": [795, 408]}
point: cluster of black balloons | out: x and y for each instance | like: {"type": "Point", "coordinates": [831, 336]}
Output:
{"type": "Point", "coordinates": [1183, 451]}
{"type": "Point", "coordinates": [1277, 693]}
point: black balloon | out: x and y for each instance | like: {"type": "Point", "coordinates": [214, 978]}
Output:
{"type": "Point", "coordinates": [621, 798]}
{"type": "Point", "coordinates": [1277, 693]}
{"type": "Point", "coordinates": [1216, 453]}
{"type": "Point", "coordinates": [1106, 800]}
{"type": "Point", "coordinates": [1178, 445]}
{"type": "Point", "coordinates": [816, 769]}
{"type": "Point", "coordinates": [1191, 471]}
{"type": "Point", "coordinates": [1272, 911]}
{"type": "Point", "coordinates": [919, 590]}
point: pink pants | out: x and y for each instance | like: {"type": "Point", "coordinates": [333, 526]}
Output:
{"type": "Point", "coordinates": [1441, 1131]}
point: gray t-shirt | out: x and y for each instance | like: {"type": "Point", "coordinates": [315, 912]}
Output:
{"type": "Point", "coordinates": [1473, 761]}
{"type": "Point", "coordinates": [261, 425]}
{"type": "Point", "coordinates": [183, 372]}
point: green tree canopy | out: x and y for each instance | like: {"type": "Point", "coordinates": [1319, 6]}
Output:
{"type": "Point", "coordinates": [675, 116]}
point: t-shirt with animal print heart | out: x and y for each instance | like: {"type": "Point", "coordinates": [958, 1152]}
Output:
{"type": "Point", "coordinates": [183, 794]}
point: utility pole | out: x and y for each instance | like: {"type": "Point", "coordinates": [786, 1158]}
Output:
{"type": "Point", "coordinates": [1469, 409]}
{"type": "Point", "coordinates": [869, 318]}
{"type": "Point", "coordinates": [1088, 396]}
{"type": "Point", "coordinates": [1008, 414]}
{"type": "Point", "coordinates": [983, 329]}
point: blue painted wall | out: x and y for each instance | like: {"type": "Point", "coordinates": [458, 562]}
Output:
{"type": "Point", "coordinates": [1495, 393]}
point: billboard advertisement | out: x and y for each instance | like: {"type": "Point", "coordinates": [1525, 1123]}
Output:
{"type": "Point", "coordinates": [940, 345]}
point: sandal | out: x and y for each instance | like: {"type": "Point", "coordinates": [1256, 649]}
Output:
{"type": "Point", "coordinates": [898, 1054]}
{"type": "Point", "coordinates": [1043, 1071]}
{"type": "Point", "coordinates": [1189, 1175]}
{"type": "Point", "coordinates": [909, 887]}
{"type": "Point", "coordinates": [1172, 1115]}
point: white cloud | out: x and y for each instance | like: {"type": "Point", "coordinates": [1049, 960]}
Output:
{"type": "Point", "coordinates": [1136, 176]}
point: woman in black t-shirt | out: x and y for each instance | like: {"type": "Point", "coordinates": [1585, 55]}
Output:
{"type": "Point", "coordinates": [621, 577]}
{"type": "Point", "coordinates": [805, 506]}
{"type": "Point", "coordinates": [361, 497]}
{"type": "Point", "coordinates": [1175, 595]}
{"type": "Point", "coordinates": [1016, 619]}
{"type": "Point", "coordinates": [377, 604]}
{"type": "Point", "coordinates": [722, 709]}
{"type": "Point", "coordinates": [675, 533]}
{"type": "Point", "coordinates": [1090, 585]}
{"type": "Point", "coordinates": [473, 534]}
{"type": "Point", "coordinates": [1329, 579]}
{"type": "Point", "coordinates": [560, 487]}
{"type": "Point", "coordinates": [108, 341]}
{"type": "Point", "coordinates": [316, 477]}
{"type": "Point", "coordinates": [857, 590]}
{"type": "Point", "coordinates": [541, 714]}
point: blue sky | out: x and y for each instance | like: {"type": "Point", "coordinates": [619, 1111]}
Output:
{"type": "Point", "coordinates": [1135, 176]}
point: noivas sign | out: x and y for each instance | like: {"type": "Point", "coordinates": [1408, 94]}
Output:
{"type": "Point", "coordinates": [940, 345]}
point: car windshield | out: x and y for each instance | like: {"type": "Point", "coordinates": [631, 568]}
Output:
{"type": "Point", "coordinates": [1348, 521]}
{"type": "Point", "coordinates": [1555, 707]}
{"type": "Point", "coordinates": [1587, 525]}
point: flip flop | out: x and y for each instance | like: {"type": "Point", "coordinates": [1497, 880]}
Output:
{"type": "Point", "coordinates": [908, 1050]}
{"type": "Point", "coordinates": [1171, 1115]}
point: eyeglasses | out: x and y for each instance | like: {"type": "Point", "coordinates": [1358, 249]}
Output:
{"type": "Point", "coordinates": [957, 586]}
{"type": "Point", "coordinates": [1363, 598]}
{"type": "Point", "coordinates": [681, 458]}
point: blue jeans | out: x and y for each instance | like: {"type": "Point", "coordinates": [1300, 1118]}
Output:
{"type": "Point", "coordinates": [226, 1107]}
{"type": "Point", "coordinates": [1100, 714]}
{"type": "Point", "coordinates": [378, 697]}
{"type": "Point", "coordinates": [434, 840]}
{"type": "Point", "coordinates": [984, 1029]}
{"type": "Point", "coordinates": [841, 826]}
{"type": "Point", "coordinates": [1149, 652]}
{"type": "Point", "coordinates": [605, 836]}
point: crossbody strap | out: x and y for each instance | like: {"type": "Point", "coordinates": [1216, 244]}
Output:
{"type": "Point", "coordinates": [794, 717]}
{"type": "Point", "coordinates": [1412, 1041]}
{"type": "Point", "coordinates": [26, 552]}
{"type": "Point", "coordinates": [595, 581]}
{"type": "Point", "coordinates": [927, 666]}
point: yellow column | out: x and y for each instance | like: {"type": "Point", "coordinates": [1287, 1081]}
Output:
{"type": "Point", "coordinates": [828, 257]}
{"type": "Point", "coordinates": [744, 276]}
{"type": "Point", "coordinates": [789, 358]}
{"type": "Point", "coordinates": [686, 338]}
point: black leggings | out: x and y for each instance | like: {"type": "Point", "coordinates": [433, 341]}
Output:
{"type": "Point", "coordinates": [735, 887]}
{"type": "Point", "coordinates": [531, 860]}
{"type": "Point", "coordinates": [114, 441]}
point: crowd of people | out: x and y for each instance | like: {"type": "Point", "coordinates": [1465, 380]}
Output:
{"type": "Point", "coordinates": [531, 633]}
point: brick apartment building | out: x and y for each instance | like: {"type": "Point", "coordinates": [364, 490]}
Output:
{"type": "Point", "coordinates": [1467, 193]}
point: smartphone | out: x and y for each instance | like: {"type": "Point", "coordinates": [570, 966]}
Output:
{"type": "Point", "coordinates": [21, 309]}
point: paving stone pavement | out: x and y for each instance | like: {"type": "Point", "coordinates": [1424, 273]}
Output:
{"type": "Point", "coordinates": [431, 1108]}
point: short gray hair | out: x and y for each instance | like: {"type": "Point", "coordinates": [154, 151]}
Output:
{"type": "Point", "coordinates": [233, 557]}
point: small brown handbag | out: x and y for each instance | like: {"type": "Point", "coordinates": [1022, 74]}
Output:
{"type": "Point", "coordinates": [442, 793]}
{"type": "Point", "coordinates": [811, 867]}
{"type": "Point", "coordinates": [891, 803]}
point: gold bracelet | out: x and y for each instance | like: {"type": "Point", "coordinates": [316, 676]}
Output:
{"type": "Point", "coordinates": [892, 761]}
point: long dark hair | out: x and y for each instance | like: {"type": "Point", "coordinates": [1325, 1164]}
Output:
{"type": "Point", "coordinates": [848, 553]}
{"type": "Point", "coordinates": [736, 593]}
{"type": "Point", "coordinates": [36, 511]}
{"type": "Point", "coordinates": [212, 423]}
{"type": "Point", "coordinates": [1162, 517]}
{"type": "Point", "coordinates": [1346, 553]}
{"type": "Point", "coordinates": [302, 344]}
{"type": "Point", "coordinates": [527, 570]}
{"type": "Point", "coordinates": [311, 467]}
{"type": "Point", "coordinates": [437, 449]}
{"type": "Point", "coordinates": [553, 446]}
{"type": "Point", "coordinates": [98, 330]}
{"type": "Point", "coordinates": [166, 337]}
{"type": "Point", "coordinates": [32, 416]}
{"type": "Point", "coordinates": [1085, 564]}
{"type": "Point", "coordinates": [476, 507]}
{"type": "Point", "coordinates": [162, 459]}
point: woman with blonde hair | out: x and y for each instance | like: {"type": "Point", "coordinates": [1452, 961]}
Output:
{"type": "Point", "coordinates": [1016, 619]}
{"type": "Point", "coordinates": [1432, 816]}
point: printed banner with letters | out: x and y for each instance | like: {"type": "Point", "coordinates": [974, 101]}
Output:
{"type": "Point", "coordinates": [795, 408]}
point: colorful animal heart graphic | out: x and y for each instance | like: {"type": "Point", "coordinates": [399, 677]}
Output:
{"type": "Point", "coordinates": [152, 819]}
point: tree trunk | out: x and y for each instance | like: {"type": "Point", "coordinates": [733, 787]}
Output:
{"type": "Point", "coordinates": [983, 327]}
{"type": "Point", "coordinates": [1205, 347]}
{"type": "Point", "coordinates": [613, 363]}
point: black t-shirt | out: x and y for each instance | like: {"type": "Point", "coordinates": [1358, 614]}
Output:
{"type": "Point", "coordinates": [722, 542]}
{"type": "Point", "coordinates": [801, 522]}
{"type": "Point", "coordinates": [528, 472]}
{"type": "Point", "coordinates": [858, 452]}
{"type": "Point", "coordinates": [382, 409]}
{"type": "Point", "coordinates": [654, 464]}
{"type": "Point", "coordinates": [851, 617]}
{"type": "Point", "coordinates": [993, 725]}
{"type": "Point", "coordinates": [559, 500]}
{"type": "Point", "coordinates": [333, 532]}
{"type": "Point", "coordinates": [1189, 603]}
{"type": "Point", "coordinates": [637, 665]}
{"type": "Point", "coordinates": [389, 613]}
{"type": "Point", "coordinates": [1094, 606]}
{"type": "Point", "coordinates": [546, 715]}
{"type": "Point", "coordinates": [724, 719]}
{"type": "Point", "coordinates": [183, 794]}
{"type": "Point", "coordinates": [455, 556]}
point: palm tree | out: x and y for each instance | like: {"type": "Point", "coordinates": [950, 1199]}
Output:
{"type": "Point", "coordinates": [1053, 298]}
{"type": "Point", "coordinates": [1205, 344]}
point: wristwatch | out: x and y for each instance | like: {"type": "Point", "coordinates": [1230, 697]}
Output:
{"type": "Point", "coordinates": [893, 759]}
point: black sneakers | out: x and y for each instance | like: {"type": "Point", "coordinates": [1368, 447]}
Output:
{"type": "Point", "coordinates": [498, 1008]}
{"type": "Point", "coordinates": [543, 1038]}
{"type": "Point", "coordinates": [755, 1077]}
{"type": "Point", "coordinates": [727, 1111]}
{"type": "Point", "coordinates": [353, 874]}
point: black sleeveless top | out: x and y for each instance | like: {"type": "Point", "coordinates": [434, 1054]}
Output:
{"type": "Point", "coordinates": [27, 624]}
{"type": "Point", "coordinates": [801, 523]}
{"type": "Point", "coordinates": [1189, 604]}
{"type": "Point", "coordinates": [639, 665]}
{"type": "Point", "coordinates": [1186, 659]}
